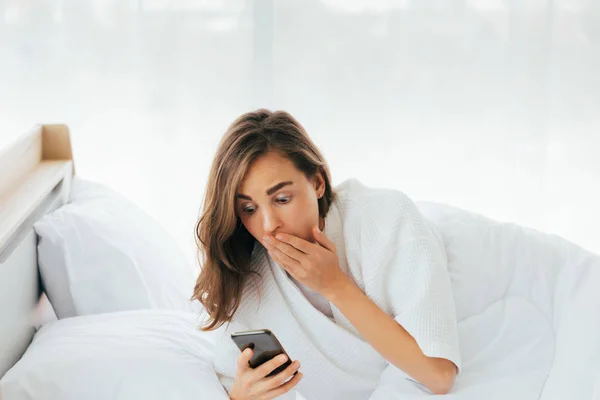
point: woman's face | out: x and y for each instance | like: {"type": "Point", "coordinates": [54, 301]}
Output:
{"type": "Point", "coordinates": [275, 197]}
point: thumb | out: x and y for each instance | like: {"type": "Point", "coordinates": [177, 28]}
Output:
{"type": "Point", "coordinates": [244, 358]}
{"type": "Point", "coordinates": [322, 239]}
{"type": "Point", "coordinates": [248, 353]}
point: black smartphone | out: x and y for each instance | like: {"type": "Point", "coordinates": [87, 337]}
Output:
{"type": "Point", "coordinates": [264, 345]}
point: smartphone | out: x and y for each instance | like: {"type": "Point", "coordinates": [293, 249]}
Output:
{"type": "Point", "coordinates": [265, 346]}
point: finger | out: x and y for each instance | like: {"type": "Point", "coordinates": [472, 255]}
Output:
{"type": "Point", "coordinates": [274, 382]}
{"type": "Point", "coordinates": [286, 387]}
{"type": "Point", "coordinates": [287, 249]}
{"type": "Point", "coordinates": [283, 259]}
{"type": "Point", "coordinates": [266, 368]}
{"type": "Point", "coordinates": [323, 240]}
{"type": "Point", "coordinates": [298, 243]}
{"type": "Point", "coordinates": [244, 359]}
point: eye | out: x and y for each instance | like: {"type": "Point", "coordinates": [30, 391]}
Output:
{"type": "Point", "coordinates": [248, 210]}
{"type": "Point", "coordinates": [281, 200]}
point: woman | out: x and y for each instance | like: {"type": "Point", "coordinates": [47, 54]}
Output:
{"type": "Point", "coordinates": [352, 280]}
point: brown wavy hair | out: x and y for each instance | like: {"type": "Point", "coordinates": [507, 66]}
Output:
{"type": "Point", "coordinates": [224, 245]}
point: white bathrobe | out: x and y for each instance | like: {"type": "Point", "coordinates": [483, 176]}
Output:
{"type": "Point", "coordinates": [396, 257]}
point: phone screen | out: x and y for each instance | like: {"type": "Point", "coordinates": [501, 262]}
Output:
{"type": "Point", "coordinates": [265, 346]}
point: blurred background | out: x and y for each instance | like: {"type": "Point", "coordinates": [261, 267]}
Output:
{"type": "Point", "coordinates": [488, 105]}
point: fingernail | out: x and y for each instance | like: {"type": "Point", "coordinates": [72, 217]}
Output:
{"type": "Point", "coordinates": [268, 239]}
{"type": "Point", "coordinates": [282, 358]}
{"type": "Point", "coordinates": [296, 364]}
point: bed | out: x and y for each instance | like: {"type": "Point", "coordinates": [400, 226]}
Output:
{"type": "Point", "coordinates": [527, 302]}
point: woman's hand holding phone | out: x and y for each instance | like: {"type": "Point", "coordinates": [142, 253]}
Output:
{"type": "Point", "coordinates": [253, 383]}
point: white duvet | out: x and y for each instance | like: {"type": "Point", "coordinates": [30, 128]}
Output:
{"type": "Point", "coordinates": [528, 306]}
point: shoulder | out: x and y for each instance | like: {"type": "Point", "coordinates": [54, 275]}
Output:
{"type": "Point", "coordinates": [372, 212]}
{"type": "Point", "coordinates": [357, 199]}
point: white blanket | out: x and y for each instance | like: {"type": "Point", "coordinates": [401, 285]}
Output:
{"type": "Point", "coordinates": [528, 306]}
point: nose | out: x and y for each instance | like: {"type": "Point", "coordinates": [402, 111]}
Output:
{"type": "Point", "coordinates": [271, 222]}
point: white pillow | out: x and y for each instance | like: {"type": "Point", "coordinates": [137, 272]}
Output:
{"type": "Point", "coordinates": [102, 253]}
{"type": "Point", "coordinates": [142, 354]}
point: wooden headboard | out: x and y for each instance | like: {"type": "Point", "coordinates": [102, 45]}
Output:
{"type": "Point", "coordinates": [37, 170]}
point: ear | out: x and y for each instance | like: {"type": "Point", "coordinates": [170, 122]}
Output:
{"type": "Point", "coordinates": [319, 182]}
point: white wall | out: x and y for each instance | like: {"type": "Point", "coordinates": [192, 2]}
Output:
{"type": "Point", "coordinates": [492, 105]}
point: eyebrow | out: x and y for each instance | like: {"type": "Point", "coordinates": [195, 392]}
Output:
{"type": "Point", "coordinates": [269, 191]}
